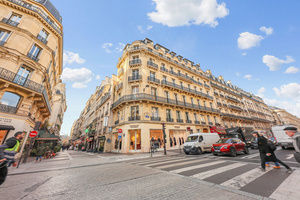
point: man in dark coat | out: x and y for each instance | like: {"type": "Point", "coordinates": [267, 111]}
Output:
{"type": "Point", "coordinates": [267, 153]}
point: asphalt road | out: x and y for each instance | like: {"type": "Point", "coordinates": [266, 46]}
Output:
{"type": "Point", "coordinates": [80, 175]}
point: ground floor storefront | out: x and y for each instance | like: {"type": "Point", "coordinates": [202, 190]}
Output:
{"type": "Point", "coordinates": [134, 138]}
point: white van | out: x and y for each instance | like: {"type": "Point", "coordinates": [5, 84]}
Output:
{"type": "Point", "coordinates": [282, 139]}
{"type": "Point", "coordinates": [200, 142]}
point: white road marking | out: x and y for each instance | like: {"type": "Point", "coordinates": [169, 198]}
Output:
{"type": "Point", "coordinates": [250, 156]}
{"type": "Point", "coordinates": [289, 188]}
{"type": "Point", "coordinates": [245, 178]}
{"type": "Point", "coordinates": [290, 156]}
{"type": "Point", "coordinates": [177, 171]}
{"type": "Point", "coordinates": [212, 172]}
{"type": "Point", "coordinates": [70, 157]}
{"type": "Point", "coordinates": [181, 163]}
{"type": "Point", "coordinates": [166, 162]}
{"type": "Point", "coordinates": [154, 160]}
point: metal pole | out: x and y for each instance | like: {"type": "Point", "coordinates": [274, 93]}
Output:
{"type": "Point", "coordinates": [165, 138]}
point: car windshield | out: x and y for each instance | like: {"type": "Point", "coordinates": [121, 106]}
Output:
{"type": "Point", "coordinates": [224, 140]}
{"type": "Point", "coordinates": [192, 138]}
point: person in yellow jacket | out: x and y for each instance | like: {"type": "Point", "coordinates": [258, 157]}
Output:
{"type": "Point", "coordinates": [11, 147]}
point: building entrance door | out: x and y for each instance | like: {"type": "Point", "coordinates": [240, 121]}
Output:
{"type": "Point", "coordinates": [135, 139]}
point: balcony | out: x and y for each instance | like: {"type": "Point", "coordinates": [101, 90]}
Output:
{"type": "Point", "coordinates": [155, 118]}
{"type": "Point", "coordinates": [134, 118]}
{"type": "Point", "coordinates": [217, 94]}
{"type": "Point", "coordinates": [42, 39]}
{"type": "Point", "coordinates": [180, 120]}
{"type": "Point", "coordinates": [152, 64]}
{"type": "Point", "coordinates": [33, 57]}
{"type": "Point", "coordinates": [8, 109]}
{"type": "Point", "coordinates": [170, 120]}
{"type": "Point", "coordinates": [119, 86]}
{"type": "Point", "coordinates": [197, 122]}
{"type": "Point", "coordinates": [206, 85]}
{"type": "Point", "coordinates": [135, 62]}
{"type": "Point", "coordinates": [153, 80]}
{"type": "Point", "coordinates": [24, 82]}
{"type": "Point", "coordinates": [117, 122]}
{"type": "Point", "coordinates": [232, 99]}
{"type": "Point", "coordinates": [10, 22]}
{"type": "Point", "coordinates": [235, 107]}
{"type": "Point", "coordinates": [134, 78]}
{"type": "Point", "coordinates": [188, 121]}
{"type": "Point", "coordinates": [162, 100]}
{"type": "Point", "coordinates": [163, 69]}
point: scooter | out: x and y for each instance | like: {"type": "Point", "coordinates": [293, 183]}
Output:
{"type": "Point", "coordinates": [3, 171]}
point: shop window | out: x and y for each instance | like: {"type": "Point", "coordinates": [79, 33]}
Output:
{"type": "Point", "coordinates": [135, 139]}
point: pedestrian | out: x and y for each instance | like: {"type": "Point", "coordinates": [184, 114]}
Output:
{"type": "Point", "coordinates": [267, 153]}
{"type": "Point", "coordinates": [171, 142]}
{"type": "Point", "coordinates": [12, 147]}
{"type": "Point", "coordinates": [292, 132]}
{"type": "Point", "coordinates": [39, 154]}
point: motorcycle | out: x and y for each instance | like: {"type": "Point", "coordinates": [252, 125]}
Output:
{"type": "Point", "coordinates": [3, 171]}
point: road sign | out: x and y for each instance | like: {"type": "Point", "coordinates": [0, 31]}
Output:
{"type": "Point", "coordinates": [119, 137]}
{"type": "Point", "coordinates": [33, 134]}
{"type": "Point", "coordinates": [119, 130]}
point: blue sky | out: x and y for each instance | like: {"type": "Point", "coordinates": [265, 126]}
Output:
{"type": "Point", "coordinates": [253, 43]}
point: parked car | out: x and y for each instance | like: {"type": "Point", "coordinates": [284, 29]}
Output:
{"type": "Point", "coordinates": [200, 142]}
{"type": "Point", "coordinates": [229, 146]}
{"type": "Point", "coordinates": [282, 139]}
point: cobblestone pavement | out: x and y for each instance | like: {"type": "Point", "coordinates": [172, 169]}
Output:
{"type": "Point", "coordinates": [81, 175]}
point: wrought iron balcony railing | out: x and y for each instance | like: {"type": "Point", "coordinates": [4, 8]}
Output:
{"type": "Point", "coordinates": [197, 122]}
{"type": "Point", "coordinates": [152, 64]}
{"type": "Point", "coordinates": [155, 118]}
{"type": "Point", "coordinates": [42, 39]}
{"type": "Point", "coordinates": [188, 121]}
{"type": "Point", "coordinates": [8, 109]}
{"type": "Point", "coordinates": [170, 120]}
{"type": "Point", "coordinates": [33, 57]}
{"type": "Point", "coordinates": [135, 62]}
{"type": "Point", "coordinates": [134, 118]}
{"type": "Point", "coordinates": [153, 79]}
{"type": "Point", "coordinates": [180, 120]}
{"type": "Point", "coordinates": [134, 78]}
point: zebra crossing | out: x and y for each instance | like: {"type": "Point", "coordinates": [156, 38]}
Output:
{"type": "Point", "coordinates": [244, 176]}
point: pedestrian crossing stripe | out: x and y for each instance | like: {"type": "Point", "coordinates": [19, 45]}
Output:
{"type": "Point", "coordinates": [169, 161]}
{"type": "Point", "coordinates": [177, 171]}
{"type": "Point", "coordinates": [181, 163]}
{"type": "Point", "coordinates": [251, 156]}
{"type": "Point", "coordinates": [219, 170]}
{"type": "Point", "coordinates": [245, 178]}
{"type": "Point", "coordinates": [155, 160]}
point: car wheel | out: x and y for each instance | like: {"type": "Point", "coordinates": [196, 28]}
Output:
{"type": "Point", "coordinates": [215, 154]}
{"type": "Point", "coordinates": [187, 153]}
{"type": "Point", "coordinates": [199, 151]}
{"type": "Point", "coordinates": [233, 152]}
{"type": "Point", "coordinates": [283, 147]}
{"type": "Point", "coordinates": [246, 151]}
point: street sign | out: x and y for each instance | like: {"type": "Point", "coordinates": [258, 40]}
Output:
{"type": "Point", "coordinates": [119, 130]}
{"type": "Point", "coordinates": [33, 134]}
{"type": "Point", "coordinates": [119, 137]}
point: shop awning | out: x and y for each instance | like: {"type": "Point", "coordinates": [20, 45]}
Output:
{"type": "Point", "coordinates": [6, 127]}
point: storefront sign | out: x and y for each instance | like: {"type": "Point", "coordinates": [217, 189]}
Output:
{"type": "Point", "coordinates": [176, 126]}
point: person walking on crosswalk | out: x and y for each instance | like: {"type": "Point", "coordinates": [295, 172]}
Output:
{"type": "Point", "coordinates": [292, 132]}
{"type": "Point", "coordinates": [267, 153]}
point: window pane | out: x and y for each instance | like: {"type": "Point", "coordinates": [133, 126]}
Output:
{"type": "Point", "coordinates": [10, 99]}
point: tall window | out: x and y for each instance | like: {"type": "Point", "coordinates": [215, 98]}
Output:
{"type": "Point", "coordinates": [22, 75]}
{"type": "Point", "coordinates": [153, 91]}
{"type": "Point", "coordinates": [135, 89]}
{"type": "Point", "coordinates": [198, 102]}
{"type": "Point", "coordinates": [181, 85]}
{"type": "Point", "coordinates": [187, 116]}
{"type": "Point", "coordinates": [173, 81]}
{"type": "Point", "coordinates": [3, 36]}
{"type": "Point", "coordinates": [167, 94]}
{"type": "Point", "coordinates": [178, 115]}
{"type": "Point", "coordinates": [176, 98]}
{"type": "Point", "coordinates": [10, 99]}
{"type": "Point", "coordinates": [34, 51]}
{"type": "Point", "coordinates": [164, 78]}
{"type": "Point", "coordinates": [211, 105]}
{"type": "Point", "coordinates": [155, 112]}
{"type": "Point", "coordinates": [204, 103]}
{"type": "Point", "coordinates": [215, 119]}
{"type": "Point", "coordinates": [202, 118]}
{"type": "Point", "coordinates": [134, 111]}
{"type": "Point", "coordinates": [208, 118]}
{"type": "Point", "coordinates": [192, 101]}
{"type": "Point", "coordinates": [168, 114]}
{"type": "Point", "coordinates": [43, 35]}
{"type": "Point", "coordinates": [183, 98]}
{"type": "Point", "coordinates": [135, 73]}
{"type": "Point", "coordinates": [14, 19]}
{"type": "Point", "coordinates": [135, 57]}
{"type": "Point", "coordinates": [195, 116]}
{"type": "Point", "coordinates": [152, 75]}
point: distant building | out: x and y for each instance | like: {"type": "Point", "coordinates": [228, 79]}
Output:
{"type": "Point", "coordinates": [282, 117]}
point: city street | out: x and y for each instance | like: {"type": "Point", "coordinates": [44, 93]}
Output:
{"type": "Point", "coordinates": [81, 175]}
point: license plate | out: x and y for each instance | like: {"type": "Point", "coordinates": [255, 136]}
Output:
{"type": "Point", "coordinates": [217, 150]}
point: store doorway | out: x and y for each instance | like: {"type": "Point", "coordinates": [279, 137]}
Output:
{"type": "Point", "coordinates": [135, 139]}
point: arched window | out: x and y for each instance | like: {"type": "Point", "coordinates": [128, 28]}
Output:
{"type": "Point", "coordinates": [10, 99]}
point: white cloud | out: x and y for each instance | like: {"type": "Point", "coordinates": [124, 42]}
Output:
{"type": "Point", "coordinates": [248, 76]}
{"type": "Point", "coordinates": [291, 70]}
{"type": "Point", "coordinates": [110, 47]}
{"type": "Point", "coordinates": [248, 40]}
{"type": "Point", "coordinates": [79, 76]}
{"type": "Point", "coordinates": [274, 63]}
{"type": "Point", "coordinates": [174, 13]}
{"type": "Point", "coordinates": [267, 31]}
{"type": "Point", "coordinates": [98, 77]}
{"type": "Point", "coordinates": [71, 57]}
{"type": "Point", "coordinates": [144, 30]}
{"type": "Point", "coordinates": [244, 54]}
{"type": "Point", "coordinates": [292, 107]}
{"type": "Point", "coordinates": [261, 92]}
{"type": "Point", "coordinates": [291, 90]}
